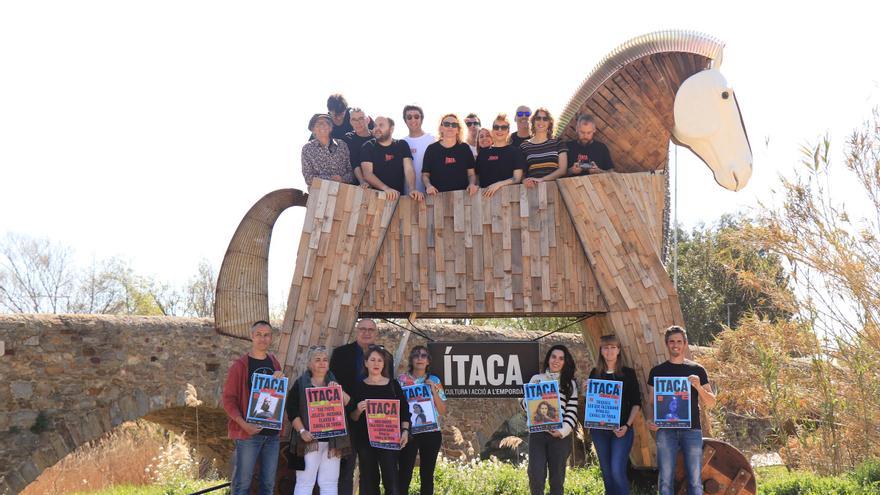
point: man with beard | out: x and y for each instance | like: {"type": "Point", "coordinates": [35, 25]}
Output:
{"type": "Point", "coordinates": [387, 163]}
{"type": "Point", "coordinates": [587, 155]}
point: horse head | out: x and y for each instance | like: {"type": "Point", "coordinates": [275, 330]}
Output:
{"type": "Point", "coordinates": [708, 121]}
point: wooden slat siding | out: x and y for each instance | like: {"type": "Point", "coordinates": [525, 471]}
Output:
{"type": "Point", "coordinates": [242, 284]}
{"type": "Point", "coordinates": [524, 257]}
{"type": "Point", "coordinates": [609, 213]}
{"type": "Point", "coordinates": [344, 229]}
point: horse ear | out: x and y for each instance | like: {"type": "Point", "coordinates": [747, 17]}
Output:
{"type": "Point", "coordinates": [697, 105]}
{"type": "Point", "coordinates": [242, 295]}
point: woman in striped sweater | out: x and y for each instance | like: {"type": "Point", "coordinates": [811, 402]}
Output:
{"type": "Point", "coordinates": [549, 450]}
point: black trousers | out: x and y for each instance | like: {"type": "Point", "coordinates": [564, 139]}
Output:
{"type": "Point", "coordinates": [372, 461]}
{"type": "Point", "coordinates": [547, 453]}
{"type": "Point", "coordinates": [427, 445]}
{"type": "Point", "coordinates": [346, 474]}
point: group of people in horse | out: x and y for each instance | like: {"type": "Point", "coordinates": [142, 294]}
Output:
{"type": "Point", "coordinates": [365, 370]}
{"type": "Point", "coordinates": [349, 146]}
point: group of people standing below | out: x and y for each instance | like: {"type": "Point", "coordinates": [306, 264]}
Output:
{"type": "Point", "coordinates": [348, 146]}
{"type": "Point", "coordinates": [365, 370]}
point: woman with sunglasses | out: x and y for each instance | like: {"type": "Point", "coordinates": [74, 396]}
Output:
{"type": "Point", "coordinates": [449, 163]}
{"type": "Point", "coordinates": [502, 164]}
{"type": "Point", "coordinates": [613, 446]}
{"type": "Point", "coordinates": [546, 157]}
{"type": "Point", "coordinates": [549, 450]}
{"type": "Point", "coordinates": [426, 445]}
{"type": "Point", "coordinates": [378, 384]}
{"type": "Point", "coordinates": [315, 460]}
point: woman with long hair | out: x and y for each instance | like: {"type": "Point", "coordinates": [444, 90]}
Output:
{"type": "Point", "coordinates": [546, 157]}
{"type": "Point", "coordinates": [378, 384]}
{"type": "Point", "coordinates": [613, 446]}
{"type": "Point", "coordinates": [549, 450]}
{"type": "Point", "coordinates": [315, 460]}
{"type": "Point", "coordinates": [427, 444]}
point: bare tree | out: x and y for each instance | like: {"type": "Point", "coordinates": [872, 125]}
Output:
{"type": "Point", "coordinates": [36, 275]}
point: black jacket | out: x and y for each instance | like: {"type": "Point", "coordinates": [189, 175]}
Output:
{"type": "Point", "coordinates": [342, 364]}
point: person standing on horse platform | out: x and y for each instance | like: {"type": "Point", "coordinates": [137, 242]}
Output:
{"type": "Point", "coordinates": [314, 460]}
{"type": "Point", "coordinates": [417, 139]}
{"type": "Point", "coordinates": [687, 440]}
{"type": "Point", "coordinates": [522, 126]}
{"type": "Point", "coordinates": [473, 127]}
{"type": "Point", "coordinates": [387, 163]}
{"type": "Point", "coordinates": [613, 446]}
{"type": "Point", "coordinates": [347, 366]}
{"type": "Point", "coordinates": [546, 157]}
{"type": "Point", "coordinates": [587, 155]}
{"type": "Point", "coordinates": [549, 450]}
{"type": "Point", "coordinates": [325, 157]}
{"type": "Point", "coordinates": [252, 442]}
{"type": "Point", "coordinates": [449, 164]}
{"type": "Point", "coordinates": [502, 164]}
{"type": "Point", "coordinates": [355, 141]}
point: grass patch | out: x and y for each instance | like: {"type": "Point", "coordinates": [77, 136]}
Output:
{"type": "Point", "coordinates": [180, 489]}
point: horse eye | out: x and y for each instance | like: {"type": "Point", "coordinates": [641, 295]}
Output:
{"type": "Point", "coordinates": [725, 95]}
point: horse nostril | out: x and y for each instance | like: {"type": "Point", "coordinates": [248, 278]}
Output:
{"type": "Point", "coordinates": [725, 95]}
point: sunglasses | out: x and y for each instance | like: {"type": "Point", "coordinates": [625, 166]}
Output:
{"type": "Point", "coordinates": [317, 348]}
{"type": "Point", "coordinates": [523, 114]}
{"type": "Point", "coordinates": [420, 355]}
{"type": "Point", "coordinates": [375, 346]}
{"type": "Point", "coordinates": [496, 127]}
{"type": "Point", "coordinates": [542, 117]}
{"type": "Point", "coordinates": [472, 123]}
{"type": "Point", "coordinates": [413, 116]}
{"type": "Point", "coordinates": [453, 125]}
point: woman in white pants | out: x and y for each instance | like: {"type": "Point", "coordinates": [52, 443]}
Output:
{"type": "Point", "coordinates": [316, 460]}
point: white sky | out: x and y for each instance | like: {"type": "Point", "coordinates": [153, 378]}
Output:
{"type": "Point", "coordinates": [147, 129]}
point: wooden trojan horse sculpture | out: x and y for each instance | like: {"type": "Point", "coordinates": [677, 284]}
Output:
{"type": "Point", "coordinates": [572, 247]}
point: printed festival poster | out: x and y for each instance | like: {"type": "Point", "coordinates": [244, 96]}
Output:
{"type": "Point", "coordinates": [266, 403]}
{"type": "Point", "coordinates": [383, 423]}
{"type": "Point", "coordinates": [604, 399]}
{"type": "Point", "coordinates": [542, 406]}
{"type": "Point", "coordinates": [672, 402]}
{"type": "Point", "coordinates": [423, 415]}
{"type": "Point", "coordinates": [326, 411]}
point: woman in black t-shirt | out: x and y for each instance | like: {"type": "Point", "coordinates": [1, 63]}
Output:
{"type": "Point", "coordinates": [377, 385]}
{"type": "Point", "coordinates": [613, 446]}
{"type": "Point", "coordinates": [502, 164]}
{"type": "Point", "coordinates": [449, 163]}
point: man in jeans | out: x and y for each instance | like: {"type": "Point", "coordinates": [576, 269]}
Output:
{"type": "Point", "coordinates": [347, 365]}
{"type": "Point", "coordinates": [688, 440]}
{"type": "Point", "coordinates": [252, 442]}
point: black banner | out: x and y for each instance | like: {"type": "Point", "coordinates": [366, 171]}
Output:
{"type": "Point", "coordinates": [484, 369]}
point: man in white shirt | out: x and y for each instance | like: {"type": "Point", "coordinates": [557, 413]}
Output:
{"type": "Point", "coordinates": [418, 140]}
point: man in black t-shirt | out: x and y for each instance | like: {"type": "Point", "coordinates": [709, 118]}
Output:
{"type": "Point", "coordinates": [588, 156]}
{"type": "Point", "coordinates": [387, 163]}
{"type": "Point", "coordinates": [251, 441]}
{"type": "Point", "coordinates": [355, 141]}
{"type": "Point", "coordinates": [687, 440]}
{"type": "Point", "coordinates": [523, 132]}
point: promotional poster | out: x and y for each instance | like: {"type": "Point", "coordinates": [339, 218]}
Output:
{"type": "Point", "coordinates": [326, 411]}
{"type": "Point", "coordinates": [266, 403]}
{"type": "Point", "coordinates": [423, 414]}
{"type": "Point", "coordinates": [672, 404]}
{"type": "Point", "coordinates": [542, 406]}
{"type": "Point", "coordinates": [383, 423]}
{"type": "Point", "coordinates": [603, 400]}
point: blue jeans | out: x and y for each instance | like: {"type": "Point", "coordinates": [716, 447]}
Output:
{"type": "Point", "coordinates": [613, 455]}
{"type": "Point", "coordinates": [258, 447]}
{"type": "Point", "coordinates": [690, 442]}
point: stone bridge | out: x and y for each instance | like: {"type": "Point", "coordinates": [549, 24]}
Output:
{"type": "Point", "coordinates": [69, 379]}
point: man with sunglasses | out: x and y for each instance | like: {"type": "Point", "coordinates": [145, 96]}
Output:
{"type": "Point", "coordinates": [347, 365]}
{"type": "Point", "coordinates": [473, 127]}
{"type": "Point", "coordinates": [355, 141]}
{"type": "Point", "coordinates": [418, 140]}
{"type": "Point", "coordinates": [522, 126]}
{"type": "Point", "coordinates": [589, 156]}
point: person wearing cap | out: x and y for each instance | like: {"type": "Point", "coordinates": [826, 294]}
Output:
{"type": "Point", "coordinates": [324, 156]}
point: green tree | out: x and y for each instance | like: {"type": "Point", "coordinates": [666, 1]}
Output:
{"type": "Point", "coordinates": [721, 279]}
